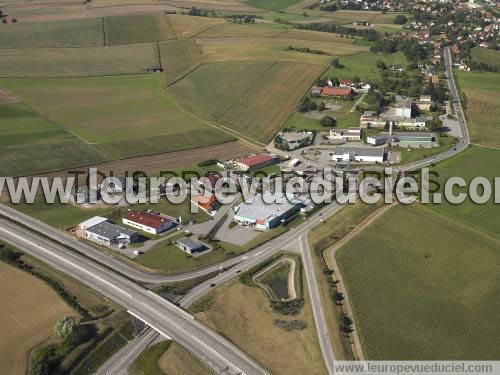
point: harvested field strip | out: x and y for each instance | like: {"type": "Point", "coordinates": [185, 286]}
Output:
{"type": "Point", "coordinates": [6, 97]}
{"type": "Point", "coordinates": [26, 318]}
{"type": "Point", "coordinates": [171, 160]}
{"type": "Point", "coordinates": [68, 62]}
{"type": "Point", "coordinates": [186, 27]}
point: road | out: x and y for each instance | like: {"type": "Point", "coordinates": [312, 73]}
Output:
{"type": "Point", "coordinates": [122, 359]}
{"type": "Point", "coordinates": [165, 317]}
{"type": "Point", "coordinates": [316, 304]}
{"type": "Point", "coordinates": [172, 322]}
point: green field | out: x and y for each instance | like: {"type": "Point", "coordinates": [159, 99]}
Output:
{"type": "Point", "coordinates": [474, 162]}
{"type": "Point", "coordinates": [75, 62]}
{"type": "Point", "coordinates": [71, 33]}
{"type": "Point", "coordinates": [272, 4]}
{"type": "Point", "coordinates": [483, 105]}
{"type": "Point", "coordinates": [489, 57]}
{"type": "Point", "coordinates": [364, 65]}
{"type": "Point", "coordinates": [118, 116]}
{"type": "Point", "coordinates": [248, 97]}
{"type": "Point", "coordinates": [137, 29]}
{"type": "Point", "coordinates": [179, 57]}
{"type": "Point", "coordinates": [423, 287]}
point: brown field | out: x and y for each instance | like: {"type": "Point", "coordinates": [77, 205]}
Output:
{"type": "Point", "coordinates": [227, 5]}
{"type": "Point", "coordinates": [243, 315]}
{"type": "Point", "coordinates": [28, 312]}
{"type": "Point", "coordinates": [265, 107]}
{"type": "Point", "coordinates": [6, 97]}
{"type": "Point", "coordinates": [120, 10]}
{"type": "Point", "coordinates": [186, 27]}
{"type": "Point", "coordinates": [177, 360]}
{"type": "Point", "coordinates": [252, 49]}
{"type": "Point", "coordinates": [235, 30]}
{"type": "Point", "coordinates": [48, 11]}
{"type": "Point", "coordinates": [171, 160]}
{"type": "Point", "coordinates": [179, 57]}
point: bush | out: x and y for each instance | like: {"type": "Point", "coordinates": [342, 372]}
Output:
{"type": "Point", "coordinates": [328, 122]}
{"type": "Point", "coordinates": [298, 325]}
{"type": "Point", "coordinates": [292, 307]}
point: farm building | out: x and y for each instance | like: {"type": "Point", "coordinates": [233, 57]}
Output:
{"type": "Point", "coordinates": [253, 162]}
{"type": "Point", "coordinates": [340, 92]}
{"type": "Point", "coordinates": [190, 245]}
{"type": "Point", "coordinates": [374, 155]}
{"type": "Point", "coordinates": [346, 83]}
{"type": "Point", "coordinates": [262, 215]}
{"type": "Point", "coordinates": [148, 222]}
{"type": "Point", "coordinates": [108, 233]}
{"type": "Point", "coordinates": [352, 134]}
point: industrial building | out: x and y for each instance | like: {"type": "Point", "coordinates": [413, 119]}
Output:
{"type": "Point", "coordinates": [149, 222]}
{"type": "Point", "coordinates": [352, 134]}
{"type": "Point", "coordinates": [264, 215]}
{"type": "Point", "coordinates": [420, 138]}
{"type": "Point", "coordinates": [100, 230]}
{"type": "Point", "coordinates": [190, 245]}
{"type": "Point", "coordinates": [358, 154]}
{"type": "Point", "coordinates": [253, 162]}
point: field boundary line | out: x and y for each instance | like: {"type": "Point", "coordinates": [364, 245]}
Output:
{"type": "Point", "coordinates": [487, 146]}
{"type": "Point", "coordinates": [331, 261]}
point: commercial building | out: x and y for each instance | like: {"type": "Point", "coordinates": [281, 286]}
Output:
{"type": "Point", "coordinates": [264, 215]}
{"type": "Point", "coordinates": [108, 233]}
{"type": "Point", "coordinates": [352, 134]}
{"type": "Point", "coordinates": [148, 222]}
{"type": "Point", "coordinates": [420, 138]}
{"type": "Point", "coordinates": [91, 222]}
{"type": "Point", "coordinates": [358, 154]}
{"type": "Point", "coordinates": [403, 109]}
{"type": "Point", "coordinates": [293, 140]}
{"type": "Point", "coordinates": [190, 245]}
{"type": "Point", "coordinates": [253, 162]}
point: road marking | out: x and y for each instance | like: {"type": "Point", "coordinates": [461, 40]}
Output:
{"type": "Point", "coordinates": [66, 261]}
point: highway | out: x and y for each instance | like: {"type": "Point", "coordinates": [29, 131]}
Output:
{"type": "Point", "coordinates": [317, 304]}
{"type": "Point", "coordinates": [172, 322]}
{"type": "Point", "coordinates": [166, 318]}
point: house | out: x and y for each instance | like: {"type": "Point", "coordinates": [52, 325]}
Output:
{"type": "Point", "coordinates": [340, 92]}
{"type": "Point", "coordinates": [397, 67]}
{"type": "Point", "coordinates": [208, 204]}
{"type": "Point", "coordinates": [368, 118]}
{"type": "Point", "coordinates": [434, 78]}
{"type": "Point", "coordinates": [358, 154]}
{"type": "Point", "coordinates": [424, 103]}
{"type": "Point", "coordinates": [110, 234]}
{"type": "Point", "coordinates": [190, 245]}
{"type": "Point", "coordinates": [316, 90]}
{"type": "Point", "coordinates": [253, 162]}
{"type": "Point", "coordinates": [346, 83]}
{"type": "Point", "coordinates": [149, 222]}
{"type": "Point", "coordinates": [264, 215]}
{"type": "Point", "coordinates": [352, 134]}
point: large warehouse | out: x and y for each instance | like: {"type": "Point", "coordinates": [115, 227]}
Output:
{"type": "Point", "coordinates": [372, 155]}
{"type": "Point", "coordinates": [148, 222]}
{"type": "Point", "coordinates": [264, 215]}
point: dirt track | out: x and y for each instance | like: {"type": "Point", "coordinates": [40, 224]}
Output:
{"type": "Point", "coordinates": [168, 161]}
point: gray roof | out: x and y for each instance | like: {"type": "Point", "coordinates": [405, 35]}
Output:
{"type": "Point", "coordinates": [190, 243]}
{"type": "Point", "coordinates": [259, 209]}
{"type": "Point", "coordinates": [359, 151]}
{"type": "Point", "coordinates": [110, 231]}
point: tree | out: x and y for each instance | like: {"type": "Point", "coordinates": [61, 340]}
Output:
{"type": "Point", "coordinates": [328, 122]}
{"type": "Point", "coordinates": [435, 124]}
{"type": "Point", "coordinates": [336, 63]}
{"type": "Point", "coordinates": [14, 20]}
{"type": "Point", "coordinates": [321, 106]}
{"type": "Point", "coordinates": [400, 19]}
{"type": "Point", "coordinates": [66, 326]}
{"type": "Point", "coordinates": [381, 65]}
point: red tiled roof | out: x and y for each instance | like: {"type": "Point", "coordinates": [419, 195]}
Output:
{"type": "Point", "coordinates": [336, 91]}
{"type": "Point", "coordinates": [346, 82]}
{"type": "Point", "coordinates": [250, 161]}
{"type": "Point", "coordinates": [146, 218]}
{"type": "Point", "coordinates": [207, 203]}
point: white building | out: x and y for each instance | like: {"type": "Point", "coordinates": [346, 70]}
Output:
{"type": "Point", "coordinates": [358, 154]}
{"type": "Point", "coordinates": [148, 222]}
{"type": "Point", "coordinates": [352, 134]}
